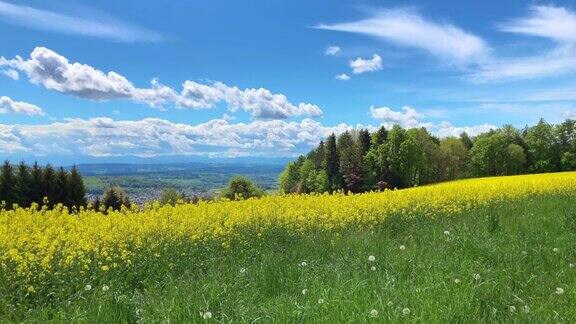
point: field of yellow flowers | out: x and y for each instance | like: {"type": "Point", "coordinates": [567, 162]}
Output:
{"type": "Point", "coordinates": [449, 251]}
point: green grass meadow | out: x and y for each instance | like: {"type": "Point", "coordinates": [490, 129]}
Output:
{"type": "Point", "coordinates": [511, 262]}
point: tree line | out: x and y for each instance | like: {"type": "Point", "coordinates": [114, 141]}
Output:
{"type": "Point", "coordinates": [357, 161]}
{"type": "Point", "coordinates": [46, 186]}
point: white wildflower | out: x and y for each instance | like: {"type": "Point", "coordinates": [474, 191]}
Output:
{"type": "Point", "coordinates": [406, 311]}
{"type": "Point", "coordinates": [206, 315]}
{"type": "Point", "coordinates": [559, 291]}
{"type": "Point", "coordinates": [373, 268]}
{"type": "Point", "coordinates": [242, 270]}
{"type": "Point", "coordinates": [88, 287]}
{"type": "Point", "coordinates": [303, 264]}
{"type": "Point", "coordinates": [512, 309]}
{"type": "Point", "coordinates": [571, 265]}
{"type": "Point", "coordinates": [476, 276]}
{"type": "Point", "coordinates": [526, 309]}
{"type": "Point", "coordinates": [371, 258]}
{"type": "Point", "coordinates": [456, 281]}
{"type": "Point", "coordinates": [321, 301]}
{"type": "Point", "coordinates": [373, 313]}
{"type": "Point", "coordinates": [304, 291]}
{"type": "Point", "coordinates": [402, 247]}
{"type": "Point", "coordinates": [555, 250]}
{"type": "Point", "coordinates": [446, 233]}
{"type": "Point", "coordinates": [105, 288]}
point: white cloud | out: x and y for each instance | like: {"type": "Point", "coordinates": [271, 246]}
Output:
{"type": "Point", "coordinates": [55, 72]}
{"type": "Point", "coordinates": [11, 73]}
{"type": "Point", "coordinates": [7, 105]}
{"type": "Point", "coordinates": [343, 77]}
{"type": "Point", "coordinates": [89, 24]}
{"type": "Point", "coordinates": [446, 129]}
{"type": "Point", "coordinates": [559, 61]}
{"type": "Point", "coordinates": [406, 27]}
{"type": "Point", "coordinates": [361, 65]}
{"type": "Point", "coordinates": [333, 50]}
{"type": "Point", "coordinates": [102, 137]}
{"type": "Point", "coordinates": [150, 137]}
{"type": "Point", "coordinates": [408, 117]}
{"type": "Point", "coordinates": [556, 23]}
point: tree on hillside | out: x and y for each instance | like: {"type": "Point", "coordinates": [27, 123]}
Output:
{"type": "Point", "coordinates": [566, 134]}
{"type": "Point", "coordinates": [23, 185]}
{"type": "Point", "coordinates": [489, 155]}
{"type": "Point", "coordinates": [517, 159]}
{"type": "Point", "coordinates": [466, 141]}
{"type": "Point", "coordinates": [332, 163]}
{"type": "Point", "coordinates": [452, 158]}
{"type": "Point", "coordinates": [543, 148]}
{"type": "Point", "coordinates": [75, 189]}
{"type": "Point", "coordinates": [37, 184]}
{"type": "Point", "coordinates": [61, 187]}
{"type": "Point", "coordinates": [7, 185]}
{"type": "Point", "coordinates": [351, 162]}
{"type": "Point", "coordinates": [241, 188]}
{"type": "Point", "coordinates": [289, 179]}
{"type": "Point", "coordinates": [365, 141]}
{"type": "Point", "coordinates": [379, 137]}
{"type": "Point", "coordinates": [114, 198]}
{"type": "Point", "coordinates": [170, 196]}
{"type": "Point", "coordinates": [319, 156]}
{"type": "Point", "coordinates": [48, 185]}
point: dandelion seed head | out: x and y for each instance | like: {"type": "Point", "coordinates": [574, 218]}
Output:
{"type": "Point", "coordinates": [374, 313]}
{"type": "Point", "coordinates": [446, 232]}
{"type": "Point", "coordinates": [88, 287]}
{"type": "Point", "coordinates": [512, 309]}
{"type": "Point", "coordinates": [206, 315]}
{"type": "Point", "coordinates": [373, 268]}
{"type": "Point", "coordinates": [304, 291]}
{"type": "Point", "coordinates": [242, 270]}
{"type": "Point", "coordinates": [526, 309]}
{"type": "Point", "coordinates": [321, 301]}
{"type": "Point", "coordinates": [571, 265]}
{"type": "Point", "coordinates": [406, 311]}
{"type": "Point", "coordinates": [371, 258]}
{"type": "Point", "coordinates": [402, 247]}
{"type": "Point", "coordinates": [477, 276]}
{"type": "Point", "coordinates": [105, 288]}
{"type": "Point", "coordinates": [555, 250]}
{"type": "Point", "coordinates": [559, 291]}
{"type": "Point", "coordinates": [457, 281]}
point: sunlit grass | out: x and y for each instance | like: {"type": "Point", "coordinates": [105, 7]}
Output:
{"type": "Point", "coordinates": [450, 252]}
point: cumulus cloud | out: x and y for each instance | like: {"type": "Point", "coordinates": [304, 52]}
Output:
{"type": "Point", "coordinates": [11, 73]}
{"type": "Point", "coordinates": [406, 27]}
{"type": "Point", "coordinates": [7, 105]}
{"type": "Point", "coordinates": [333, 50]}
{"type": "Point", "coordinates": [84, 24]}
{"type": "Point", "coordinates": [408, 117]}
{"type": "Point", "coordinates": [150, 137]}
{"type": "Point", "coordinates": [361, 65]}
{"type": "Point", "coordinates": [56, 72]}
{"type": "Point", "coordinates": [446, 129]}
{"type": "Point", "coordinates": [342, 77]}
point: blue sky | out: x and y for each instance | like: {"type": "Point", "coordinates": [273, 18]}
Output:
{"type": "Point", "coordinates": [109, 79]}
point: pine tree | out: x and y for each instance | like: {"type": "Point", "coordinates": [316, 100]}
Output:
{"type": "Point", "coordinates": [364, 141]}
{"type": "Point", "coordinates": [332, 163]}
{"type": "Point", "coordinates": [351, 162]}
{"type": "Point", "coordinates": [23, 186]}
{"type": "Point", "coordinates": [48, 185]}
{"type": "Point", "coordinates": [36, 184]}
{"type": "Point", "coordinates": [380, 137]}
{"type": "Point", "coordinates": [76, 189]}
{"type": "Point", "coordinates": [60, 188]}
{"type": "Point", "coordinates": [7, 185]}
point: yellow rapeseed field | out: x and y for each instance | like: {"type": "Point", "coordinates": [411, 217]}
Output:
{"type": "Point", "coordinates": [35, 244]}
